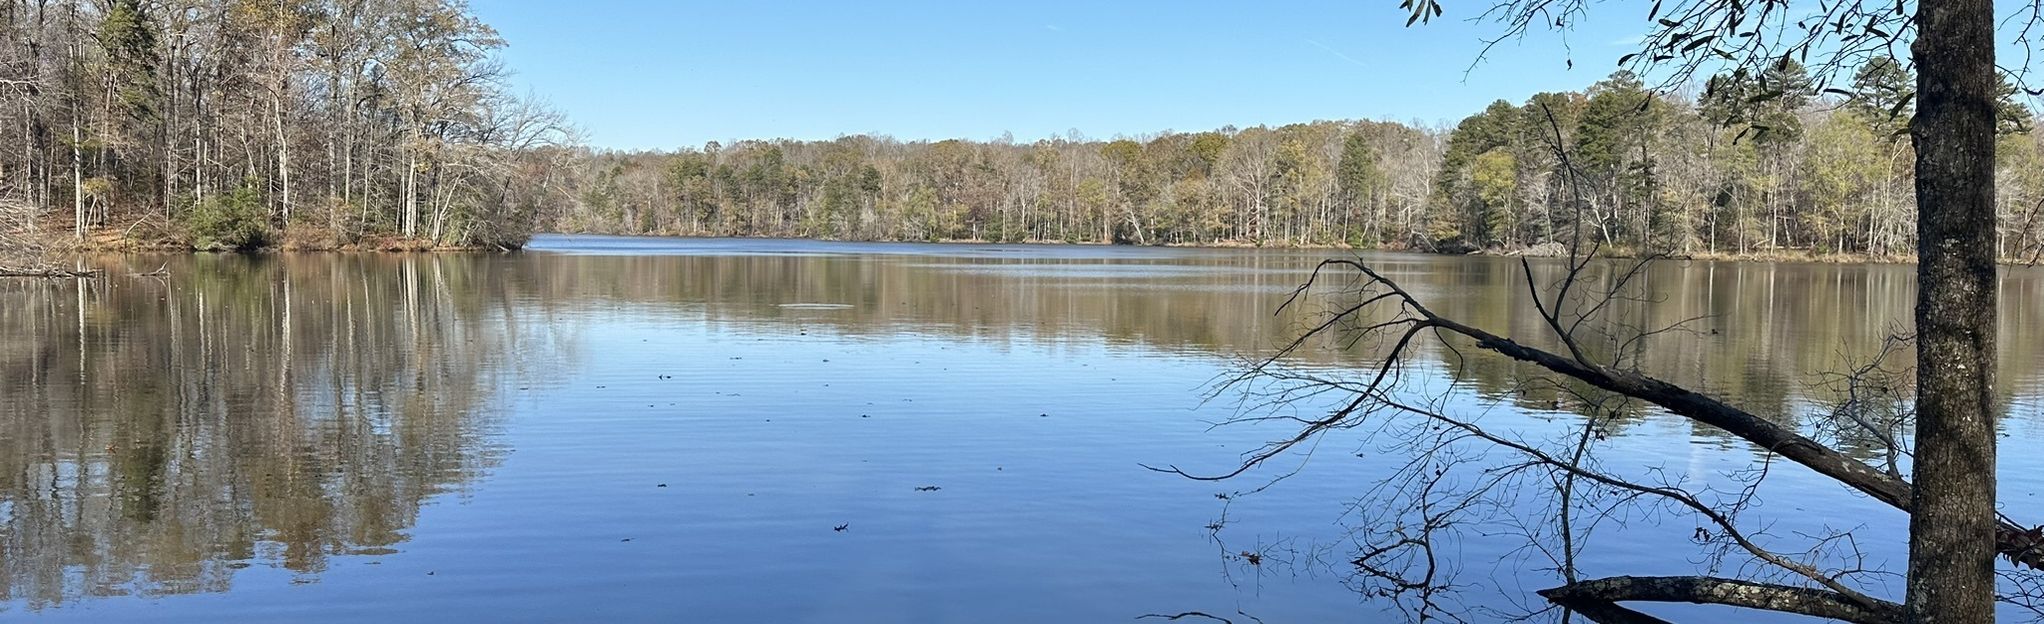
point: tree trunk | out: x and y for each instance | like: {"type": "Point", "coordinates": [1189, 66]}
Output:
{"type": "Point", "coordinates": [411, 216]}
{"type": "Point", "coordinates": [1597, 599]}
{"type": "Point", "coordinates": [283, 154]}
{"type": "Point", "coordinates": [77, 178]}
{"type": "Point", "coordinates": [1952, 529]}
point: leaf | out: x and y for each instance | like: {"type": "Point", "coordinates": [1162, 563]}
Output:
{"type": "Point", "coordinates": [1878, 32]}
{"type": "Point", "coordinates": [1656, 11]}
{"type": "Point", "coordinates": [1905, 100]}
{"type": "Point", "coordinates": [1698, 43]}
{"type": "Point", "coordinates": [1841, 92]}
{"type": "Point", "coordinates": [1764, 97]}
{"type": "Point", "coordinates": [1670, 23]}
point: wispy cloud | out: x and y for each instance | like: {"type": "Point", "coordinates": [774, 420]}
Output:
{"type": "Point", "coordinates": [1053, 28]}
{"type": "Point", "coordinates": [1629, 41]}
{"type": "Point", "coordinates": [1338, 54]}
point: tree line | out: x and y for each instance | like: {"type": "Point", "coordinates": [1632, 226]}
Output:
{"type": "Point", "coordinates": [243, 123]}
{"type": "Point", "coordinates": [1745, 163]}
{"type": "Point", "coordinates": [330, 123]}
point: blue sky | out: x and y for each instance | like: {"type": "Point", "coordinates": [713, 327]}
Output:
{"type": "Point", "coordinates": [645, 74]}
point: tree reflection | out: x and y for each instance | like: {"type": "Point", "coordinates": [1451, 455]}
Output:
{"type": "Point", "coordinates": [156, 434]}
{"type": "Point", "coordinates": [1764, 333]}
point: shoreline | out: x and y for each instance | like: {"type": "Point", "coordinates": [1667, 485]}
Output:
{"type": "Point", "coordinates": [111, 240]}
{"type": "Point", "coordinates": [1778, 255]}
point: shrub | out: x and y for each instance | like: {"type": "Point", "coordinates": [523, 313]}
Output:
{"type": "Point", "coordinates": [234, 222]}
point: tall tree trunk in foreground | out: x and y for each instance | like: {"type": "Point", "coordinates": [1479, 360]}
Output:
{"type": "Point", "coordinates": [1952, 527]}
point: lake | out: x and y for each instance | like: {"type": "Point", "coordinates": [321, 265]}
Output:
{"type": "Point", "coordinates": [645, 429]}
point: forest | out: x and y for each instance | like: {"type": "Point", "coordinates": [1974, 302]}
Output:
{"type": "Point", "coordinates": [390, 124]}
{"type": "Point", "coordinates": [1742, 165]}
{"type": "Point", "coordinates": [253, 123]}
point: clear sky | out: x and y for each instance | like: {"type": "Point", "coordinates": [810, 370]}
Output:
{"type": "Point", "coordinates": [651, 74]}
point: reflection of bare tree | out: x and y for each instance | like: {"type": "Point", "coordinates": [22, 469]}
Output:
{"type": "Point", "coordinates": [155, 434]}
{"type": "Point", "coordinates": [1467, 473]}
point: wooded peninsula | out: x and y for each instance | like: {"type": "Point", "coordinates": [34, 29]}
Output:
{"type": "Point", "coordinates": [390, 124]}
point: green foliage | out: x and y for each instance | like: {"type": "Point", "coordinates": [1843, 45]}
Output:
{"type": "Point", "coordinates": [236, 221]}
{"type": "Point", "coordinates": [1358, 174]}
{"type": "Point", "coordinates": [1495, 177]}
{"type": "Point", "coordinates": [1884, 94]}
{"type": "Point", "coordinates": [127, 38]}
{"type": "Point", "coordinates": [2010, 116]}
{"type": "Point", "coordinates": [1207, 148]}
{"type": "Point", "coordinates": [1764, 105]}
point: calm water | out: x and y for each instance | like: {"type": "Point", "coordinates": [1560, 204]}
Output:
{"type": "Point", "coordinates": [675, 430]}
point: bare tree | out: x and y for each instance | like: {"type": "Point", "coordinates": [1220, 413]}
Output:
{"type": "Point", "coordinates": [1951, 573]}
{"type": "Point", "coordinates": [1955, 533]}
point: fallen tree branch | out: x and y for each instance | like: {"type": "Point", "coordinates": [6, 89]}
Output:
{"type": "Point", "coordinates": [53, 273]}
{"type": "Point", "coordinates": [1597, 599]}
{"type": "Point", "coordinates": [2021, 545]}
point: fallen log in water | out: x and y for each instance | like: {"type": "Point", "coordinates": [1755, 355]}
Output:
{"type": "Point", "coordinates": [48, 272]}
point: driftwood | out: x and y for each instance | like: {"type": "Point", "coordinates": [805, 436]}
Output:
{"type": "Point", "coordinates": [49, 272]}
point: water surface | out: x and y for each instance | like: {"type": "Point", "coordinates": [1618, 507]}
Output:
{"type": "Point", "coordinates": [630, 429]}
